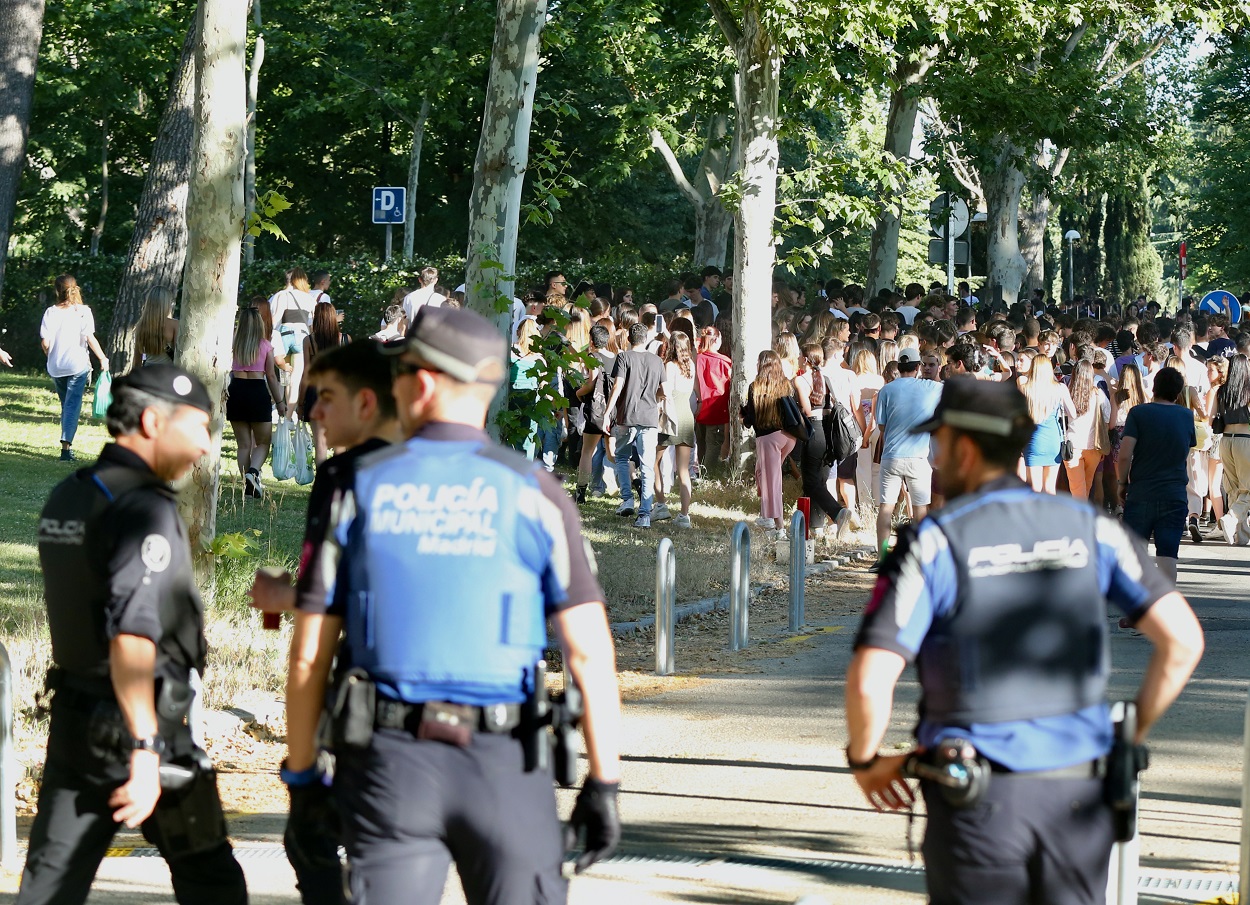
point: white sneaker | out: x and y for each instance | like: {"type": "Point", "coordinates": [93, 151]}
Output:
{"type": "Point", "coordinates": [659, 512]}
{"type": "Point", "coordinates": [625, 509]}
{"type": "Point", "coordinates": [681, 521]}
{"type": "Point", "coordinates": [643, 521]}
{"type": "Point", "coordinates": [765, 523]}
{"type": "Point", "coordinates": [842, 522]}
{"type": "Point", "coordinates": [1228, 524]}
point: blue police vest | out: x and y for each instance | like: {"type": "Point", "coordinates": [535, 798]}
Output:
{"type": "Point", "coordinates": [1027, 635]}
{"type": "Point", "coordinates": [445, 562]}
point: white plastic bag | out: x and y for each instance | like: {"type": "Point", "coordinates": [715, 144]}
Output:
{"type": "Point", "coordinates": [302, 452]}
{"type": "Point", "coordinates": [283, 453]}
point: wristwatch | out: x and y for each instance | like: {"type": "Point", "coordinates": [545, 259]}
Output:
{"type": "Point", "coordinates": [153, 743]}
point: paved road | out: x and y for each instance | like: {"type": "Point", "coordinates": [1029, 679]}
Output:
{"type": "Point", "coordinates": [737, 791]}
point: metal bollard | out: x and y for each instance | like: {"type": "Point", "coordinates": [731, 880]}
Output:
{"type": "Point", "coordinates": [739, 585]}
{"type": "Point", "coordinates": [798, 569]}
{"type": "Point", "coordinates": [8, 766]}
{"type": "Point", "coordinates": [665, 608]}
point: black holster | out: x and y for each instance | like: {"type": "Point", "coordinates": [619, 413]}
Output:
{"type": "Point", "coordinates": [354, 709]}
{"type": "Point", "coordinates": [188, 820]}
{"type": "Point", "coordinates": [1124, 764]}
{"type": "Point", "coordinates": [550, 726]}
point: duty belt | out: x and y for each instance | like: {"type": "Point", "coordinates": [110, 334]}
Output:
{"type": "Point", "coordinates": [1090, 769]}
{"type": "Point", "coordinates": [497, 719]}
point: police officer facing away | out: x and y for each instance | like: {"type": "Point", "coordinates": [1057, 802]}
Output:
{"type": "Point", "coordinates": [454, 554]}
{"type": "Point", "coordinates": [127, 627]}
{"type": "Point", "coordinates": [999, 598]}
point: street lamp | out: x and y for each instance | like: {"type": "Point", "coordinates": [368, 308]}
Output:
{"type": "Point", "coordinates": [1073, 237]}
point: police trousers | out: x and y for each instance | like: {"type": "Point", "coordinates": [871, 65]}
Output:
{"type": "Point", "coordinates": [1027, 842]}
{"type": "Point", "coordinates": [410, 807]}
{"type": "Point", "coordinates": [74, 826]}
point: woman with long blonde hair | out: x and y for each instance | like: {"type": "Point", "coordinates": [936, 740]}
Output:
{"type": "Point", "coordinates": [762, 413]}
{"type": "Point", "coordinates": [323, 334]}
{"type": "Point", "coordinates": [677, 411]}
{"type": "Point", "coordinates": [787, 349]}
{"type": "Point", "coordinates": [1050, 405]}
{"type": "Point", "coordinates": [1091, 406]}
{"type": "Point", "coordinates": [868, 382]}
{"type": "Point", "coordinates": [158, 329]}
{"type": "Point", "coordinates": [67, 334]}
{"type": "Point", "coordinates": [254, 389]}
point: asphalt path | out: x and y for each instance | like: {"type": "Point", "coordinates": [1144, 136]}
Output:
{"type": "Point", "coordinates": [736, 789]}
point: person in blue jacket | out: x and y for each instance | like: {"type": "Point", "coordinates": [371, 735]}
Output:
{"type": "Point", "coordinates": [450, 555]}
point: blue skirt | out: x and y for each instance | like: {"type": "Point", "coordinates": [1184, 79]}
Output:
{"type": "Point", "coordinates": [1043, 448]}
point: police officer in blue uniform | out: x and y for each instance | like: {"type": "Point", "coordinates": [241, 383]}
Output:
{"type": "Point", "coordinates": [127, 628]}
{"type": "Point", "coordinates": [1000, 600]}
{"type": "Point", "coordinates": [450, 556]}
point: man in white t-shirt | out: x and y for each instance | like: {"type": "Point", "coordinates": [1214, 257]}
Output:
{"type": "Point", "coordinates": [910, 308]}
{"type": "Point", "coordinates": [424, 295]}
{"type": "Point", "coordinates": [1195, 370]}
{"type": "Point", "coordinates": [320, 283]}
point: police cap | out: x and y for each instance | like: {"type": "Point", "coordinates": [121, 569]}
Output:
{"type": "Point", "coordinates": [459, 343]}
{"type": "Point", "coordinates": [982, 406]}
{"type": "Point", "coordinates": [168, 382]}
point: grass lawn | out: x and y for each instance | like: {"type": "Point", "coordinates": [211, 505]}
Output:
{"type": "Point", "coordinates": [245, 658]}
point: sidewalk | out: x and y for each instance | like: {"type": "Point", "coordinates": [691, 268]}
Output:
{"type": "Point", "coordinates": [736, 790]}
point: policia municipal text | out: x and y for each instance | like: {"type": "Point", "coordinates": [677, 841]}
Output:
{"type": "Point", "coordinates": [127, 628]}
{"type": "Point", "coordinates": [449, 554]}
{"type": "Point", "coordinates": [1000, 599]}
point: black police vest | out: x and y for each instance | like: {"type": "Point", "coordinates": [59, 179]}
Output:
{"type": "Point", "coordinates": [1027, 636]}
{"type": "Point", "coordinates": [74, 555]}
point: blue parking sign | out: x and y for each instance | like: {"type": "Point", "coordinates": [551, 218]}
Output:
{"type": "Point", "coordinates": [1222, 301]}
{"type": "Point", "coordinates": [389, 204]}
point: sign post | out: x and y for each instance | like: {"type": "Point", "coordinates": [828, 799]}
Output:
{"type": "Point", "coordinates": [1183, 260]}
{"type": "Point", "coordinates": [948, 219]}
{"type": "Point", "coordinates": [389, 205]}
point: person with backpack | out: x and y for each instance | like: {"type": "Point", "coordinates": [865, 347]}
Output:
{"type": "Point", "coordinates": [817, 401]}
{"type": "Point", "coordinates": [593, 395]}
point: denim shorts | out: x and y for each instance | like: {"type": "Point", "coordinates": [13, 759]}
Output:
{"type": "Point", "coordinates": [1164, 519]}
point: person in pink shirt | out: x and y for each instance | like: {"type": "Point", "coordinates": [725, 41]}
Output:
{"type": "Point", "coordinates": [712, 374]}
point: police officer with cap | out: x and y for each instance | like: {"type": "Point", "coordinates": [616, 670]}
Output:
{"type": "Point", "coordinates": [127, 628]}
{"type": "Point", "coordinates": [1000, 600]}
{"type": "Point", "coordinates": [451, 554]}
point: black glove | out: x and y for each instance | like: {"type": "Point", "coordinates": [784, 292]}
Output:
{"type": "Point", "coordinates": [596, 812]}
{"type": "Point", "coordinates": [313, 829]}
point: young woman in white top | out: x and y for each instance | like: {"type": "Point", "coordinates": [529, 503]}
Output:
{"type": "Point", "coordinates": [681, 394]}
{"type": "Point", "coordinates": [67, 334]}
{"type": "Point", "coordinates": [292, 311]}
{"type": "Point", "coordinates": [1091, 406]}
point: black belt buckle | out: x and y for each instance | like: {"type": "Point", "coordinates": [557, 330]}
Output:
{"type": "Point", "coordinates": [449, 723]}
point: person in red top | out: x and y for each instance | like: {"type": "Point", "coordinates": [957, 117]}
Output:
{"type": "Point", "coordinates": [712, 371]}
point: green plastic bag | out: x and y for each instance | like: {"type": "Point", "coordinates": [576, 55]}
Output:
{"type": "Point", "coordinates": [103, 394]}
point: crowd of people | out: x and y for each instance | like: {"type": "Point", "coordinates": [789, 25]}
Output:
{"type": "Point", "coordinates": [637, 401]}
{"type": "Point", "coordinates": [650, 399]}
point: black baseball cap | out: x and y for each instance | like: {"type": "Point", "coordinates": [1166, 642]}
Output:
{"type": "Point", "coordinates": [458, 342]}
{"type": "Point", "coordinates": [168, 382]}
{"type": "Point", "coordinates": [983, 406]}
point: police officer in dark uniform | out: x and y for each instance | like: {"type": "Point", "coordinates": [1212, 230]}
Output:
{"type": "Point", "coordinates": [452, 555]}
{"type": "Point", "coordinates": [1000, 600]}
{"type": "Point", "coordinates": [127, 628]}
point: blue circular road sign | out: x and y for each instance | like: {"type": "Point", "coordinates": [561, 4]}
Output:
{"type": "Point", "coordinates": [1221, 301]}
